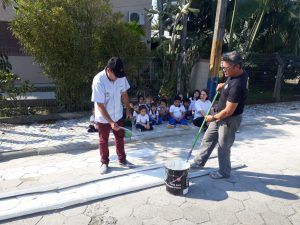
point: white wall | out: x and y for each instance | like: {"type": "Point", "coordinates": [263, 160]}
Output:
{"type": "Point", "coordinates": [199, 75]}
{"type": "Point", "coordinates": [26, 69]}
{"type": "Point", "coordinates": [7, 14]}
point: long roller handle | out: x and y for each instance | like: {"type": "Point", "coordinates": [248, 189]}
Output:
{"type": "Point", "coordinates": [201, 127]}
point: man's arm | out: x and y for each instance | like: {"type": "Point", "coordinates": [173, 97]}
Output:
{"type": "Point", "coordinates": [105, 114]}
{"type": "Point", "coordinates": [226, 112]}
{"type": "Point", "coordinates": [125, 100]}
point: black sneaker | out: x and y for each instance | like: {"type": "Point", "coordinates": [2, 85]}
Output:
{"type": "Point", "coordinates": [126, 164]}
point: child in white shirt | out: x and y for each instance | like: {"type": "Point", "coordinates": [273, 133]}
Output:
{"type": "Point", "coordinates": [142, 121]}
{"type": "Point", "coordinates": [154, 115]}
{"type": "Point", "coordinates": [177, 114]}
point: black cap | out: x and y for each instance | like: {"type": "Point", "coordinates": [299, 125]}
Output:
{"type": "Point", "coordinates": [116, 65]}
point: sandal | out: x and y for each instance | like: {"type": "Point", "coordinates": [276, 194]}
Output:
{"type": "Point", "coordinates": [216, 175]}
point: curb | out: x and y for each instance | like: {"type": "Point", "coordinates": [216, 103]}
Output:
{"type": "Point", "coordinates": [85, 145]}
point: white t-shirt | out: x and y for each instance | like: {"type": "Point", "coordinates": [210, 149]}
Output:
{"type": "Point", "coordinates": [177, 111]}
{"type": "Point", "coordinates": [109, 93]}
{"type": "Point", "coordinates": [135, 114]}
{"type": "Point", "coordinates": [153, 115]}
{"type": "Point", "coordinates": [192, 104]}
{"type": "Point", "coordinates": [201, 106]}
{"type": "Point", "coordinates": [142, 119]}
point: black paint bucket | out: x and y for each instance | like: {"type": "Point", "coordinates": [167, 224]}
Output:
{"type": "Point", "coordinates": [176, 177]}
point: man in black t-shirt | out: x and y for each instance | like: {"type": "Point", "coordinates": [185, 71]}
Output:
{"type": "Point", "coordinates": [224, 124]}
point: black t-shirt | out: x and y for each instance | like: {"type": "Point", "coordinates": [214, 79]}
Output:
{"type": "Point", "coordinates": [235, 91]}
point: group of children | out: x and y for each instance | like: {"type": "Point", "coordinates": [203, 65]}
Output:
{"type": "Point", "coordinates": [148, 112]}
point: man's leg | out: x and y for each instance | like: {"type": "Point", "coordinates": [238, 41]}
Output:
{"type": "Point", "coordinates": [103, 131]}
{"type": "Point", "coordinates": [227, 129]}
{"type": "Point", "coordinates": [208, 144]}
{"type": "Point", "coordinates": [119, 141]}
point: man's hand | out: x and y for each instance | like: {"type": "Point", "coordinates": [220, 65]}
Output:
{"type": "Point", "coordinates": [220, 86]}
{"type": "Point", "coordinates": [114, 126]}
{"type": "Point", "coordinates": [209, 118]}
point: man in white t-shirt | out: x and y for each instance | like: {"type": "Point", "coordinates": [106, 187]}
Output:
{"type": "Point", "coordinates": [177, 114]}
{"type": "Point", "coordinates": [109, 91]}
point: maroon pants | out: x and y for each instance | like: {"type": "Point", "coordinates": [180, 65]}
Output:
{"type": "Point", "coordinates": [103, 130]}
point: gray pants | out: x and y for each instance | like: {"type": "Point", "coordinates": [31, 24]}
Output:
{"type": "Point", "coordinates": [222, 133]}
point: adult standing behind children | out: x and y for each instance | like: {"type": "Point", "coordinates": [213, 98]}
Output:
{"type": "Point", "coordinates": [109, 91]}
{"type": "Point", "coordinates": [223, 126]}
{"type": "Point", "coordinates": [201, 107]}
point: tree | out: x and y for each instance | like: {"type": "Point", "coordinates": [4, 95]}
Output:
{"type": "Point", "coordinates": [62, 36]}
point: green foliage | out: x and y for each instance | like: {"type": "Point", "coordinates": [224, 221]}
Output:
{"type": "Point", "coordinates": [115, 41]}
{"type": "Point", "coordinates": [12, 88]}
{"type": "Point", "coordinates": [266, 26]}
{"type": "Point", "coordinates": [71, 39]}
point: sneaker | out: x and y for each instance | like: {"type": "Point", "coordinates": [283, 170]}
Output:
{"type": "Point", "coordinates": [196, 166]}
{"type": "Point", "coordinates": [184, 126]}
{"type": "Point", "coordinates": [126, 164]}
{"type": "Point", "coordinates": [170, 126]}
{"type": "Point", "coordinates": [216, 175]}
{"type": "Point", "coordinates": [104, 168]}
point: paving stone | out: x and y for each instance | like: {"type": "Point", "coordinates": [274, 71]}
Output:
{"type": "Point", "coordinates": [146, 212]}
{"type": "Point", "coordinates": [52, 219]}
{"type": "Point", "coordinates": [159, 199]}
{"type": "Point", "coordinates": [272, 218]}
{"type": "Point", "coordinates": [96, 209]}
{"type": "Point", "coordinates": [281, 208]}
{"type": "Point", "coordinates": [129, 220]}
{"type": "Point", "coordinates": [121, 210]}
{"type": "Point", "coordinates": [27, 221]}
{"type": "Point", "coordinates": [231, 205]}
{"type": "Point", "coordinates": [238, 195]}
{"type": "Point", "coordinates": [182, 222]}
{"type": "Point", "coordinates": [156, 221]}
{"type": "Point", "coordinates": [195, 213]}
{"type": "Point", "coordinates": [215, 194]}
{"type": "Point", "coordinates": [78, 219]}
{"type": "Point", "coordinates": [74, 211]}
{"type": "Point", "coordinates": [255, 206]}
{"type": "Point", "coordinates": [170, 213]}
{"type": "Point", "coordinates": [295, 219]}
{"type": "Point", "coordinates": [223, 217]}
{"type": "Point", "coordinates": [249, 218]}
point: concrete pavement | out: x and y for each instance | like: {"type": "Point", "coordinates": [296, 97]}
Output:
{"type": "Point", "coordinates": [266, 191]}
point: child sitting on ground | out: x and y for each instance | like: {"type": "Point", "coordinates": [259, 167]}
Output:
{"type": "Point", "coordinates": [142, 121]}
{"type": "Point", "coordinates": [177, 114]}
{"type": "Point", "coordinates": [148, 102]}
{"type": "Point", "coordinates": [154, 115]}
{"type": "Point", "coordinates": [163, 110]}
{"type": "Point", "coordinates": [93, 126]}
{"type": "Point", "coordinates": [135, 113]}
{"type": "Point", "coordinates": [188, 112]}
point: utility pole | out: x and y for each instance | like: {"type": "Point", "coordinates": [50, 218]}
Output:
{"type": "Point", "coordinates": [160, 20]}
{"type": "Point", "coordinates": [216, 50]}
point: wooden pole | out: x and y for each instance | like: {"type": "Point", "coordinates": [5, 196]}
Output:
{"type": "Point", "coordinates": [216, 50]}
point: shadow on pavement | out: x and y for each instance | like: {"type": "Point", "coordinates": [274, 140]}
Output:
{"type": "Point", "coordinates": [256, 185]}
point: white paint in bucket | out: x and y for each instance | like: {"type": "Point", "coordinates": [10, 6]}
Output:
{"type": "Point", "coordinates": [177, 164]}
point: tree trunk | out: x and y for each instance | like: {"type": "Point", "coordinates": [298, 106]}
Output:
{"type": "Point", "coordinates": [280, 70]}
